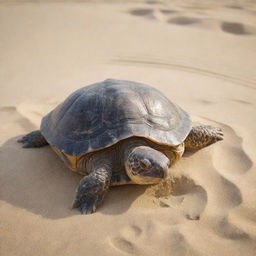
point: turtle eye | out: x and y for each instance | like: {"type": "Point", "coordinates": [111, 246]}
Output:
{"type": "Point", "coordinates": [145, 164]}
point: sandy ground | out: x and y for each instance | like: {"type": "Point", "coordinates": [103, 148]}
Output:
{"type": "Point", "coordinates": [201, 54]}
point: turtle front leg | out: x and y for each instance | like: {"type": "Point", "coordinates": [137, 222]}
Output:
{"type": "Point", "coordinates": [92, 190]}
{"type": "Point", "coordinates": [202, 136]}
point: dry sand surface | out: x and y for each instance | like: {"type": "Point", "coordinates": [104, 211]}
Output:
{"type": "Point", "coordinates": [200, 54]}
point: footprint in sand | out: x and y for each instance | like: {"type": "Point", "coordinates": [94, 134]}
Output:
{"type": "Point", "coordinates": [234, 159]}
{"type": "Point", "coordinates": [228, 157]}
{"type": "Point", "coordinates": [166, 15]}
{"type": "Point", "coordinates": [144, 13]}
{"type": "Point", "coordinates": [141, 12]}
{"type": "Point", "coordinates": [149, 238]}
{"type": "Point", "coordinates": [168, 11]}
{"type": "Point", "coordinates": [170, 16]}
{"type": "Point", "coordinates": [237, 28]}
{"type": "Point", "coordinates": [187, 197]}
{"type": "Point", "coordinates": [156, 14]}
{"type": "Point", "coordinates": [182, 20]}
{"type": "Point", "coordinates": [231, 194]}
{"type": "Point", "coordinates": [123, 242]}
{"type": "Point", "coordinates": [179, 245]}
{"type": "Point", "coordinates": [228, 230]}
{"type": "Point", "coordinates": [123, 245]}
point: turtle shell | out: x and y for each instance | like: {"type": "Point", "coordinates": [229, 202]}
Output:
{"type": "Point", "coordinates": [100, 115]}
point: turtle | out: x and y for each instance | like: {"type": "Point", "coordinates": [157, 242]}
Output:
{"type": "Point", "coordinates": [118, 132]}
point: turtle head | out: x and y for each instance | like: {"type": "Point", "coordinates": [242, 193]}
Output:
{"type": "Point", "coordinates": [145, 165]}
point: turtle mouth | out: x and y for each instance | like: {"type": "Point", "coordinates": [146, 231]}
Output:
{"type": "Point", "coordinates": [148, 177]}
{"type": "Point", "coordinates": [146, 180]}
{"type": "Point", "coordinates": [161, 174]}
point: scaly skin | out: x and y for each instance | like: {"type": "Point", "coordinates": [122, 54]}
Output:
{"type": "Point", "coordinates": [93, 187]}
{"type": "Point", "coordinates": [202, 136]}
{"type": "Point", "coordinates": [92, 190]}
{"type": "Point", "coordinates": [33, 140]}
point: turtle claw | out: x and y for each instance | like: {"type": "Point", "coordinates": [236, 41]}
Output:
{"type": "Point", "coordinates": [220, 137]}
{"type": "Point", "coordinates": [91, 190]}
{"type": "Point", "coordinates": [26, 145]}
{"type": "Point", "coordinates": [87, 205]}
{"type": "Point", "coordinates": [22, 140]}
{"type": "Point", "coordinates": [87, 208]}
{"type": "Point", "coordinates": [218, 134]}
{"type": "Point", "coordinates": [25, 142]}
{"type": "Point", "coordinates": [33, 140]}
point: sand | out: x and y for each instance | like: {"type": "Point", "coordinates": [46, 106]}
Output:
{"type": "Point", "coordinates": [200, 54]}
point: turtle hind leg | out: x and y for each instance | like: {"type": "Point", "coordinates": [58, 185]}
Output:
{"type": "Point", "coordinates": [202, 136]}
{"type": "Point", "coordinates": [34, 139]}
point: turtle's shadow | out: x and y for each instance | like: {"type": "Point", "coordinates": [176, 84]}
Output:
{"type": "Point", "coordinates": [38, 181]}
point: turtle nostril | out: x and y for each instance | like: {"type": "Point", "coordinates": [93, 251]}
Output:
{"type": "Point", "coordinates": [145, 164]}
